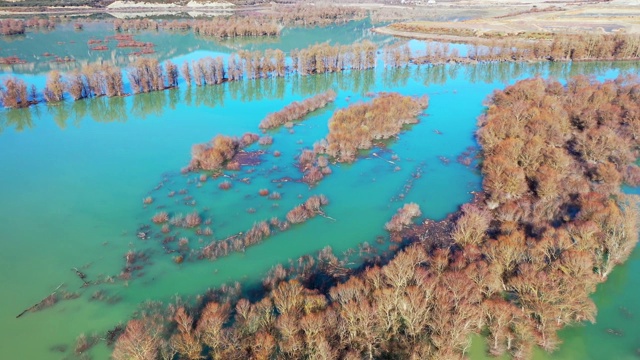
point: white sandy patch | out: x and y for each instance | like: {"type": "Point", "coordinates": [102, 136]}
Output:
{"type": "Point", "coordinates": [197, 4]}
{"type": "Point", "coordinates": [69, 7]}
{"type": "Point", "coordinates": [139, 14]}
{"type": "Point", "coordinates": [134, 4]}
{"type": "Point", "coordinates": [200, 14]}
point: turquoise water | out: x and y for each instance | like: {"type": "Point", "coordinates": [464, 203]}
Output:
{"type": "Point", "coordinates": [65, 41]}
{"type": "Point", "coordinates": [74, 176]}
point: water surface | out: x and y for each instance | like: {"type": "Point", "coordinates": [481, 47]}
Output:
{"type": "Point", "coordinates": [74, 176]}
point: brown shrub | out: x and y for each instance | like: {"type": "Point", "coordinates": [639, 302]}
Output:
{"type": "Point", "coordinates": [313, 175]}
{"type": "Point", "coordinates": [146, 75]}
{"type": "Point", "coordinates": [274, 195]}
{"type": "Point", "coordinates": [192, 220]}
{"type": "Point", "coordinates": [265, 140]}
{"type": "Point", "coordinates": [141, 340]}
{"type": "Point", "coordinates": [54, 90]}
{"type": "Point", "coordinates": [248, 139]}
{"type": "Point", "coordinates": [233, 166]}
{"type": "Point", "coordinates": [297, 110]}
{"type": "Point", "coordinates": [160, 217]}
{"type": "Point", "coordinates": [213, 155]}
{"type": "Point", "coordinates": [297, 215]}
{"type": "Point", "coordinates": [13, 93]}
{"type": "Point", "coordinates": [404, 217]}
{"type": "Point", "coordinates": [357, 126]}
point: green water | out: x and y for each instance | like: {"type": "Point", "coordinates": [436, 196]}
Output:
{"type": "Point", "coordinates": [73, 177]}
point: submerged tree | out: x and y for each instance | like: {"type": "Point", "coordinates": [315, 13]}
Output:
{"type": "Point", "coordinates": [54, 90]}
{"type": "Point", "coordinates": [358, 126]}
{"type": "Point", "coordinates": [297, 110]}
{"type": "Point", "coordinates": [13, 93]}
{"type": "Point", "coordinates": [146, 75]}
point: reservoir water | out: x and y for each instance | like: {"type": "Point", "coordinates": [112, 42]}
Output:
{"type": "Point", "coordinates": [73, 177]}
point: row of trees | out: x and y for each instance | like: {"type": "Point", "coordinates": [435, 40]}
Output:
{"type": "Point", "coordinates": [14, 93]}
{"type": "Point", "coordinates": [221, 27]}
{"type": "Point", "coordinates": [297, 110]}
{"type": "Point", "coordinates": [90, 81]}
{"type": "Point", "coordinates": [93, 80]}
{"type": "Point", "coordinates": [236, 27]}
{"type": "Point", "coordinates": [12, 27]}
{"type": "Point", "coordinates": [264, 24]}
{"type": "Point", "coordinates": [519, 265]}
{"type": "Point", "coordinates": [257, 64]}
{"type": "Point", "coordinates": [521, 47]}
{"type": "Point", "coordinates": [236, 243]}
{"type": "Point", "coordinates": [17, 26]}
{"type": "Point", "coordinates": [315, 15]}
{"type": "Point", "coordinates": [147, 74]}
{"type": "Point", "coordinates": [324, 58]}
{"type": "Point", "coordinates": [561, 47]}
{"type": "Point", "coordinates": [206, 71]}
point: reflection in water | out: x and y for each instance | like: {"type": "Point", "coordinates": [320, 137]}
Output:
{"type": "Point", "coordinates": [360, 82]}
{"type": "Point", "coordinates": [396, 77]}
{"type": "Point", "coordinates": [59, 112]}
{"type": "Point", "coordinates": [19, 119]}
{"type": "Point", "coordinates": [62, 42]}
{"type": "Point", "coordinates": [102, 109]}
{"type": "Point", "coordinates": [174, 98]}
{"type": "Point", "coordinates": [434, 75]}
{"type": "Point", "coordinates": [209, 96]}
{"type": "Point", "coordinates": [259, 89]}
{"type": "Point", "coordinates": [105, 109]}
{"type": "Point", "coordinates": [238, 43]}
{"type": "Point", "coordinates": [149, 104]}
{"type": "Point", "coordinates": [568, 69]}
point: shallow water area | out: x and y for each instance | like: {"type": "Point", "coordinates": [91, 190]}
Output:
{"type": "Point", "coordinates": [65, 49]}
{"type": "Point", "coordinates": [75, 175]}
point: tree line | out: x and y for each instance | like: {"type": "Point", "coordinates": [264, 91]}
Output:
{"type": "Point", "coordinates": [147, 74]}
{"type": "Point", "coordinates": [236, 26]}
{"type": "Point", "coordinates": [324, 58]}
{"type": "Point", "coordinates": [554, 47]}
{"type": "Point", "coordinates": [18, 26]}
{"type": "Point", "coordinates": [519, 264]}
{"type": "Point", "coordinates": [268, 23]}
{"type": "Point", "coordinates": [297, 110]}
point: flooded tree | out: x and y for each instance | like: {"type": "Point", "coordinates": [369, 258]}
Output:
{"type": "Point", "coordinates": [54, 90]}
{"type": "Point", "coordinates": [13, 93]}
{"type": "Point", "coordinates": [297, 110]}
{"type": "Point", "coordinates": [146, 75]}
{"type": "Point", "coordinates": [11, 27]}
{"type": "Point", "coordinates": [171, 73]}
{"type": "Point", "coordinates": [518, 268]}
{"type": "Point", "coordinates": [403, 217]}
{"type": "Point", "coordinates": [359, 125]}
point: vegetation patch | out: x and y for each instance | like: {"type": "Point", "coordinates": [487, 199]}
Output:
{"type": "Point", "coordinates": [519, 265]}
